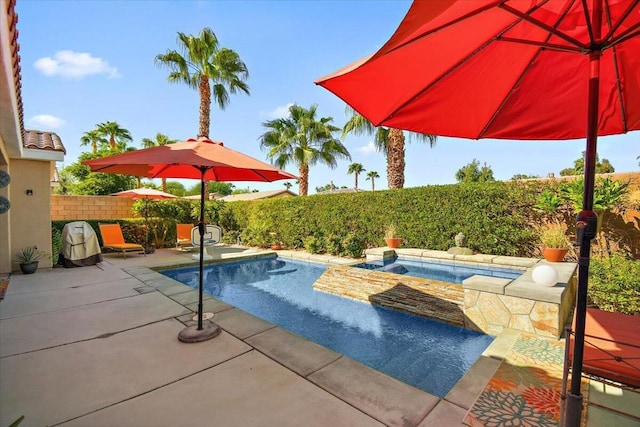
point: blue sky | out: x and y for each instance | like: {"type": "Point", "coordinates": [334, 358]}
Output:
{"type": "Point", "coordinates": [86, 62]}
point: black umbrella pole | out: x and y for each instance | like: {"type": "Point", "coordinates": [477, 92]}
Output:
{"type": "Point", "coordinates": [586, 230]}
{"type": "Point", "coordinates": [201, 230]}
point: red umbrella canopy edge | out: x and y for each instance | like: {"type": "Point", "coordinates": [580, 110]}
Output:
{"type": "Point", "coordinates": [508, 69]}
{"type": "Point", "coordinates": [185, 160]}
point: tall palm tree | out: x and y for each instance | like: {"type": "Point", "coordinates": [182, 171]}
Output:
{"type": "Point", "coordinates": [303, 140]}
{"type": "Point", "coordinates": [288, 185]}
{"type": "Point", "coordinates": [372, 175]}
{"type": "Point", "coordinates": [93, 138]}
{"type": "Point", "coordinates": [118, 136]}
{"type": "Point", "coordinates": [356, 169]}
{"type": "Point", "coordinates": [203, 59]}
{"type": "Point", "coordinates": [388, 140]}
{"type": "Point", "coordinates": [161, 139]}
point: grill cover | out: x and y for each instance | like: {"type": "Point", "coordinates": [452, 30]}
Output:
{"type": "Point", "coordinates": [80, 246]}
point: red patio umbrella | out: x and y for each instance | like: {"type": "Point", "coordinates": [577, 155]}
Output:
{"type": "Point", "coordinates": [509, 69]}
{"type": "Point", "coordinates": [201, 159]}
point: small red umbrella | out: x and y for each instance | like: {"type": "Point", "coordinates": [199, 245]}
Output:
{"type": "Point", "coordinates": [201, 159]}
{"type": "Point", "coordinates": [510, 69]}
{"type": "Point", "coordinates": [145, 194]}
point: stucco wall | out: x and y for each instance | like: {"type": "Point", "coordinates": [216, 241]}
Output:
{"type": "Point", "coordinates": [65, 207]}
{"type": "Point", "coordinates": [29, 216]}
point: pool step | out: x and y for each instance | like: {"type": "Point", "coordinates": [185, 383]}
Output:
{"type": "Point", "coordinates": [425, 297]}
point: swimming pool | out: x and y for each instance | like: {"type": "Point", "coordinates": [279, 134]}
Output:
{"type": "Point", "coordinates": [446, 272]}
{"type": "Point", "coordinates": [427, 354]}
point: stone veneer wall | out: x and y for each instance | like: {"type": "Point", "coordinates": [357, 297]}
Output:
{"type": "Point", "coordinates": [492, 313]}
{"type": "Point", "coordinates": [430, 298]}
{"type": "Point", "coordinates": [65, 207]}
{"type": "Point", "coordinates": [482, 303]}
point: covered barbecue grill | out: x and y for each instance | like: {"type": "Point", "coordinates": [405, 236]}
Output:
{"type": "Point", "coordinates": [80, 246]}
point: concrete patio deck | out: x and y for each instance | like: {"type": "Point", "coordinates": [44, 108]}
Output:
{"type": "Point", "coordinates": [97, 346]}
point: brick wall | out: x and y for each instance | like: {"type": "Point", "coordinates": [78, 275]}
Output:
{"type": "Point", "coordinates": [90, 207]}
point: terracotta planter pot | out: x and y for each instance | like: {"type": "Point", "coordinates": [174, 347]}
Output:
{"type": "Point", "coordinates": [393, 242]}
{"type": "Point", "coordinates": [276, 247]}
{"type": "Point", "coordinates": [554, 254]}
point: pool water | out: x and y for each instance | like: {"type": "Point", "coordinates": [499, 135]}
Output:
{"type": "Point", "coordinates": [446, 272]}
{"type": "Point", "coordinates": [425, 353]}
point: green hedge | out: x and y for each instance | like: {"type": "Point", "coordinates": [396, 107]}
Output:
{"type": "Point", "coordinates": [495, 217]}
{"type": "Point", "coordinates": [614, 284]}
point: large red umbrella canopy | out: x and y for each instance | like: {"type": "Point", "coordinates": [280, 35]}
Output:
{"type": "Point", "coordinates": [184, 160]}
{"type": "Point", "coordinates": [144, 193]}
{"type": "Point", "coordinates": [510, 69]}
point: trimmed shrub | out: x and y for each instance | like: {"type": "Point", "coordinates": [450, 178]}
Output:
{"type": "Point", "coordinates": [314, 245]}
{"type": "Point", "coordinates": [614, 284]}
{"type": "Point", "coordinates": [353, 246]}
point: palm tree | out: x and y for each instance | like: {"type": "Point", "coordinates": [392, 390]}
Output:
{"type": "Point", "coordinates": [93, 138]}
{"type": "Point", "coordinates": [288, 185]}
{"type": "Point", "coordinates": [161, 139]}
{"type": "Point", "coordinates": [118, 136]}
{"type": "Point", "coordinates": [303, 140]}
{"type": "Point", "coordinates": [388, 140]}
{"type": "Point", "coordinates": [356, 169]}
{"type": "Point", "coordinates": [372, 175]}
{"type": "Point", "coordinates": [203, 59]}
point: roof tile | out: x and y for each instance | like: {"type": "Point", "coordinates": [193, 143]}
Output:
{"type": "Point", "coordinates": [43, 141]}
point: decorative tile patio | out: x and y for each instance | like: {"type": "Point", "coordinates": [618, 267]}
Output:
{"type": "Point", "coordinates": [525, 390]}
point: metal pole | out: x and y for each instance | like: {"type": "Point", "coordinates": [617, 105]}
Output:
{"type": "Point", "coordinates": [587, 220]}
{"type": "Point", "coordinates": [201, 229]}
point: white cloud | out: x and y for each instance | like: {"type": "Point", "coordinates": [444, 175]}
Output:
{"type": "Point", "coordinates": [46, 121]}
{"type": "Point", "coordinates": [278, 113]}
{"type": "Point", "coordinates": [75, 65]}
{"type": "Point", "coordinates": [367, 149]}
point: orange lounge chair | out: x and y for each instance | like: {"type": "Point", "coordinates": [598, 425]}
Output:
{"type": "Point", "coordinates": [183, 236]}
{"type": "Point", "coordinates": [112, 238]}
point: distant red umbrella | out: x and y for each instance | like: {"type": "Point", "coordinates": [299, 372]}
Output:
{"type": "Point", "coordinates": [144, 193]}
{"type": "Point", "coordinates": [201, 159]}
{"type": "Point", "coordinates": [509, 69]}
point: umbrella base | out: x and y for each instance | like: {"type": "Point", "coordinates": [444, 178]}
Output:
{"type": "Point", "coordinates": [191, 334]}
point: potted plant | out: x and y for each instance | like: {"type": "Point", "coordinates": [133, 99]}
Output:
{"type": "Point", "coordinates": [554, 242]}
{"type": "Point", "coordinates": [275, 243]}
{"type": "Point", "coordinates": [28, 259]}
{"type": "Point", "coordinates": [390, 237]}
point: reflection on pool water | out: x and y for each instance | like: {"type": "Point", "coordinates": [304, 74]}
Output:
{"type": "Point", "coordinates": [425, 353]}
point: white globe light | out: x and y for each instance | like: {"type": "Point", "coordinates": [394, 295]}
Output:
{"type": "Point", "coordinates": [545, 275]}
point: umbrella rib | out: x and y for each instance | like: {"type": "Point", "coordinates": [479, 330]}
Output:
{"type": "Point", "coordinates": [630, 33]}
{"type": "Point", "coordinates": [616, 69]}
{"type": "Point", "coordinates": [543, 26]}
{"type": "Point", "coordinates": [548, 46]}
{"type": "Point", "coordinates": [587, 19]}
{"type": "Point", "coordinates": [162, 169]}
{"type": "Point", "coordinates": [624, 16]}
